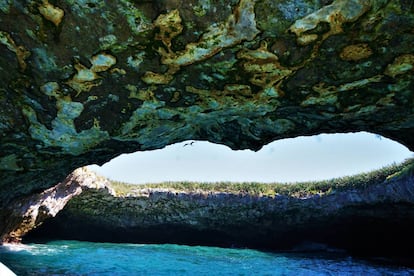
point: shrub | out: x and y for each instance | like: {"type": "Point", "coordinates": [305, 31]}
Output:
{"type": "Point", "coordinates": [272, 189]}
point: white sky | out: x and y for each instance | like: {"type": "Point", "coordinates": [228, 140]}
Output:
{"type": "Point", "coordinates": [299, 159]}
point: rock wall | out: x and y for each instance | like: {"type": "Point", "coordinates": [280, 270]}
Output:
{"type": "Point", "coordinates": [83, 81]}
{"type": "Point", "coordinates": [28, 213]}
{"type": "Point", "coordinates": [375, 219]}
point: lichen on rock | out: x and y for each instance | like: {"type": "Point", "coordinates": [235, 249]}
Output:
{"type": "Point", "coordinates": [63, 133]}
{"type": "Point", "coordinates": [52, 13]}
{"type": "Point", "coordinates": [87, 78]}
{"type": "Point", "coordinates": [21, 53]}
{"type": "Point", "coordinates": [335, 14]}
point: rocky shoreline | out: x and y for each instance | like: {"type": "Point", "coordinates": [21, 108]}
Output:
{"type": "Point", "coordinates": [374, 220]}
{"type": "Point", "coordinates": [28, 213]}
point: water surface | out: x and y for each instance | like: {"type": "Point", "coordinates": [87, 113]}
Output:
{"type": "Point", "coordinates": [86, 258]}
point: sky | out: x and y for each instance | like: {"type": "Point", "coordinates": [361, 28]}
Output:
{"type": "Point", "coordinates": [319, 157]}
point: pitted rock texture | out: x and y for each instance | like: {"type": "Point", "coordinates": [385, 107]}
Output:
{"type": "Point", "coordinates": [83, 81]}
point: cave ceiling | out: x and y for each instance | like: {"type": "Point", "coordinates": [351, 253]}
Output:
{"type": "Point", "coordinates": [84, 81]}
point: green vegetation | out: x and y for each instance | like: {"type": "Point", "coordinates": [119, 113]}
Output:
{"type": "Point", "coordinates": [272, 189]}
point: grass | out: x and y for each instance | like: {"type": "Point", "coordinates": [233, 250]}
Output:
{"type": "Point", "coordinates": [272, 189]}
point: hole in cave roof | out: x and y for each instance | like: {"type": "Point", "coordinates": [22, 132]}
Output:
{"type": "Point", "coordinates": [319, 157]}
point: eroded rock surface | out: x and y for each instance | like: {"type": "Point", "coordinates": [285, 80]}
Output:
{"type": "Point", "coordinates": [83, 81]}
{"type": "Point", "coordinates": [28, 213]}
{"type": "Point", "coordinates": [375, 217]}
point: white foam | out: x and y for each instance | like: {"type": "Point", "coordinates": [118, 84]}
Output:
{"type": "Point", "coordinates": [32, 249]}
{"type": "Point", "coordinates": [16, 247]}
{"type": "Point", "coordinates": [5, 271]}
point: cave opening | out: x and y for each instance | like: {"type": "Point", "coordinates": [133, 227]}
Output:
{"type": "Point", "coordinates": [371, 214]}
{"type": "Point", "coordinates": [300, 159]}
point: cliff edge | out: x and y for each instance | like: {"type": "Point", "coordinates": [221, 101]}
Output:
{"type": "Point", "coordinates": [369, 214]}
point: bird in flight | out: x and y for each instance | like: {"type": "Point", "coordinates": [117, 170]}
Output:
{"type": "Point", "coordinates": [189, 144]}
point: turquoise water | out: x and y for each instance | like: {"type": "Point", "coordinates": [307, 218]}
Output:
{"type": "Point", "coordinates": [85, 258]}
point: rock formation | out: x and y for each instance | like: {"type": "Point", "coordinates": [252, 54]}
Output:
{"type": "Point", "coordinates": [28, 213]}
{"type": "Point", "coordinates": [374, 217]}
{"type": "Point", "coordinates": [83, 81]}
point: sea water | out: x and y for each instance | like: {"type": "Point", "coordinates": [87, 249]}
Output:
{"type": "Point", "coordinates": [86, 258]}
